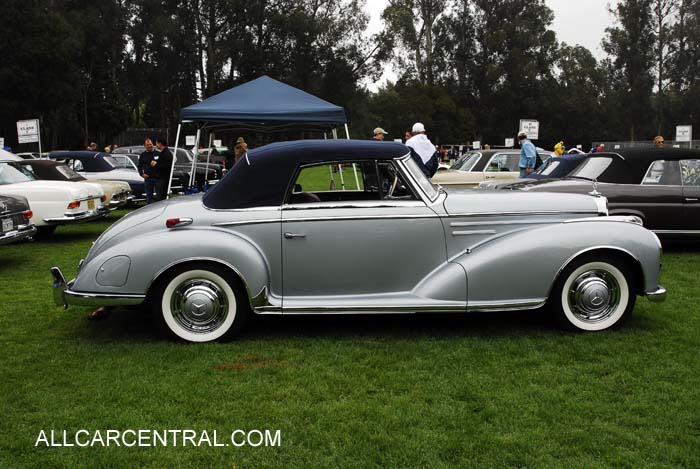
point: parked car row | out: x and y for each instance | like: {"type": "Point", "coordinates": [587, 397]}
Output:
{"type": "Point", "coordinates": [660, 186]}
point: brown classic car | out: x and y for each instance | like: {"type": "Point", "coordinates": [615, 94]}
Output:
{"type": "Point", "coordinates": [659, 185]}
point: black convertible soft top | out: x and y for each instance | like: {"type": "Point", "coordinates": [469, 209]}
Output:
{"type": "Point", "coordinates": [260, 178]}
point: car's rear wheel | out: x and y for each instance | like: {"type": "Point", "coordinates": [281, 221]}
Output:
{"type": "Point", "coordinates": [593, 293]}
{"type": "Point", "coordinates": [201, 303]}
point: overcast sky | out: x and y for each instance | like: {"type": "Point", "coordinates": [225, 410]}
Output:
{"type": "Point", "coordinates": [575, 22]}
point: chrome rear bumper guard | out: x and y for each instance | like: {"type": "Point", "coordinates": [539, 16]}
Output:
{"type": "Point", "coordinates": [76, 217]}
{"type": "Point", "coordinates": [22, 232]}
{"type": "Point", "coordinates": [657, 296]}
{"type": "Point", "coordinates": [63, 295]}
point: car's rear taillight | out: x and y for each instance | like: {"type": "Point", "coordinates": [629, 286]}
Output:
{"type": "Point", "coordinates": [103, 198]}
{"type": "Point", "coordinates": [27, 214]}
{"type": "Point", "coordinates": [74, 204]}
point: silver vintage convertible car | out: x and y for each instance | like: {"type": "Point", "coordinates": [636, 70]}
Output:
{"type": "Point", "coordinates": [332, 227]}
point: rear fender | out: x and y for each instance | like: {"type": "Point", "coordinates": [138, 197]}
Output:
{"type": "Point", "coordinates": [153, 255]}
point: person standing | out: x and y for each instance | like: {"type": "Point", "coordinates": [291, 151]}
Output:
{"type": "Point", "coordinates": [146, 170]}
{"type": "Point", "coordinates": [424, 148]}
{"type": "Point", "coordinates": [379, 134]}
{"type": "Point", "coordinates": [163, 165]}
{"type": "Point", "coordinates": [528, 155]}
{"type": "Point", "coordinates": [658, 141]}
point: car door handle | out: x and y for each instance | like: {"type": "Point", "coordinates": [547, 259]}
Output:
{"type": "Point", "coordinates": [687, 199]}
{"type": "Point", "coordinates": [294, 235]}
{"type": "Point", "coordinates": [490, 177]}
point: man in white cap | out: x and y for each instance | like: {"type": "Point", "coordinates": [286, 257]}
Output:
{"type": "Point", "coordinates": [528, 155]}
{"type": "Point", "coordinates": [379, 134]}
{"type": "Point", "coordinates": [424, 148]}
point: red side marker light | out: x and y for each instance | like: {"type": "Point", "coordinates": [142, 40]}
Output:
{"type": "Point", "coordinates": [28, 214]}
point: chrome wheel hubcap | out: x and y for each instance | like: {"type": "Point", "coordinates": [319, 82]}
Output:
{"type": "Point", "coordinates": [594, 296]}
{"type": "Point", "coordinates": [199, 306]}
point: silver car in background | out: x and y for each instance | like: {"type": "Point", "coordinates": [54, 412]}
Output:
{"type": "Point", "coordinates": [328, 227]}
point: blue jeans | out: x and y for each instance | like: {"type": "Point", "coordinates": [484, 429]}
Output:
{"type": "Point", "coordinates": [149, 187]}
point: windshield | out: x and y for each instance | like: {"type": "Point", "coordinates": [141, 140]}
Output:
{"type": "Point", "coordinates": [68, 173]}
{"type": "Point", "coordinates": [428, 187]}
{"type": "Point", "coordinates": [111, 161]}
{"type": "Point", "coordinates": [466, 162]}
{"type": "Point", "coordinates": [9, 175]}
{"type": "Point", "coordinates": [592, 168]}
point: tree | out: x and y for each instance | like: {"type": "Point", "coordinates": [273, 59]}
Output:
{"type": "Point", "coordinates": [632, 48]}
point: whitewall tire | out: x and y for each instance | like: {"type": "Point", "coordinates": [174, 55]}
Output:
{"type": "Point", "coordinates": [594, 294]}
{"type": "Point", "coordinates": [200, 304]}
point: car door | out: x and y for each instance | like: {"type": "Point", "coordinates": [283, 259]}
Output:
{"type": "Point", "coordinates": [356, 237]}
{"type": "Point", "coordinates": [690, 174]}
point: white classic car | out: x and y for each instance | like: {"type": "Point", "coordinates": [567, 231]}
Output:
{"type": "Point", "coordinates": [53, 202]}
{"type": "Point", "coordinates": [483, 165]}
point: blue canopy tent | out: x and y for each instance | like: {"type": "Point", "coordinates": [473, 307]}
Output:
{"type": "Point", "coordinates": [262, 105]}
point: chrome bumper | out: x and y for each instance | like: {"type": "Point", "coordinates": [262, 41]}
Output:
{"type": "Point", "coordinates": [18, 234]}
{"type": "Point", "coordinates": [75, 218]}
{"type": "Point", "coordinates": [657, 296]}
{"type": "Point", "coordinates": [63, 295]}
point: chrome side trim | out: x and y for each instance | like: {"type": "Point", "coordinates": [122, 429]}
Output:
{"type": "Point", "coordinates": [361, 217]}
{"type": "Point", "coordinates": [517, 305]}
{"type": "Point", "coordinates": [473, 232]}
{"type": "Point", "coordinates": [264, 208]}
{"type": "Point", "coordinates": [515, 214]}
{"type": "Point", "coordinates": [336, 205]}
{"type": "Point", "coordinates": [613, 218]}
{"type": "Point", "coordinates": [512, 222]}
{"type": "Point", "coordinates": [100, 299]}
{"type": "Point", "coordinates": [246, 222]}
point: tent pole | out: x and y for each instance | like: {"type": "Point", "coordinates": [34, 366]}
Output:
{"type": "Point", "coordinates": [335, 134]}
{"type": "Point", "coordinates": [172, 166]}
{"type": "Point", "coordinates": [342, 179]}
{"type": "Point", "coordinates": [206, 169]}
{"type": "Point", "coordinates": [354, 170]}
{"type": "Point", "coordinates": [194, 160]}
{"type": "Point", "coordinates": [347, 133]}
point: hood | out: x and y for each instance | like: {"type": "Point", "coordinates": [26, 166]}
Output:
{"type": "Point", "coordinates": [11, 204]}
{"type": "Point", "coordinates": [465, 201]}
{"type": "Point", "coordinates": [503, 183]}
{"type": "Point", "coordinates": [49, 190]}
{"type": "Point", "coordinates": [116, 175]}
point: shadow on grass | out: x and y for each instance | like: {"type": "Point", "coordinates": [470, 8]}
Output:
{"type": "Point", "coordinates": [138, 325]}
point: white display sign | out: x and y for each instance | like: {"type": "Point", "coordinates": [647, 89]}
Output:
{"type": "Point", "coordinates": [476, 145]}
{"type": "Point", "coordinates": [2, 142]}
{"type": "Point", "coordinates": [189, 140]}
{"type": "Point", "coordinates": [510, 142]}
{"type": "Point", "coordinates": [531, 127]}
{"type": "Point", "coordinates": [617, 147]}
{"type": "Point", "coordinates": [398, 140]}
{"type": "Point", "coordinates": [28, 131]}
{"type": "Point", "coordinates": [684, 133]}
{"type": "Point", "coordinates": [579, 146]}
{"type": "Point", "coordinates": [217, 143]}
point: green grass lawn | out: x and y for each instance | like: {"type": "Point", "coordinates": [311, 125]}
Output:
{"type": "Point", "coordinates": [487, 390]}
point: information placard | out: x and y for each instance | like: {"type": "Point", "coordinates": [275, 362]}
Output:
{"type": "Point", "coordinates": [531, 127]}
{"type": "Point", "coordinates": [476, 145]}
{"type": "Point", "coordinates": [684, 133]}
{"type": "Point", "coordinates": [28, 131]}
{"type": "Point", "coordinates": [189, 140]}
{"type": "Point", "coordinates": [510, 142]}
{"type": "Point", "coordinates": [217, 143]}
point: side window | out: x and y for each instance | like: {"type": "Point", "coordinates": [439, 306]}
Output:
{"type": "Point", "coordinates": [663, 173]}
{"type": "Point", "coordinates": [329, 182]}
{"type": "Point", "coordinates": [393, 184]}
{"type": "Point", "coordinates": [690, 172]}
{"type": "Point", "coordinates": [503, 162]}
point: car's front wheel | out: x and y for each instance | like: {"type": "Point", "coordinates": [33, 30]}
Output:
{"type": "Point", "coordinates": [593, 293]}
{"type": "Point", "coordinates": [201, 303]}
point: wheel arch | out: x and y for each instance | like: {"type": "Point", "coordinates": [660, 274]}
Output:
{"type": "Point", "coordinates": [612, 251]}
{"type": "Point", "coordinates": [252, 297]}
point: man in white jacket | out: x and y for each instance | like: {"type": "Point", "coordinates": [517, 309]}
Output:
{"type": "Point", "coordinates": [425, 149]}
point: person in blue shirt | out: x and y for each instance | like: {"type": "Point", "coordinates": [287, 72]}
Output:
{"type": "Point", "coordinates": [528, 155]}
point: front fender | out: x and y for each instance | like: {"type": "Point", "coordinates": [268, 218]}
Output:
{"type": "Point", "coordinates": [151, 254]}
{"type": "Point", "coordinates": [522, 266]}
